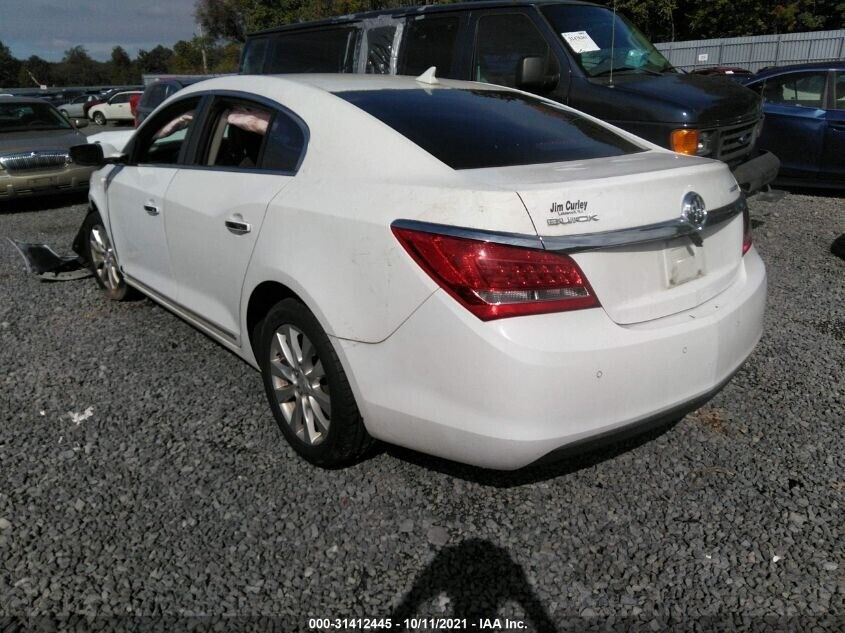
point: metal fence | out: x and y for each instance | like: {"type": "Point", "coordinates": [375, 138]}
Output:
{"type": "Point", "coordinates": [757, 52]}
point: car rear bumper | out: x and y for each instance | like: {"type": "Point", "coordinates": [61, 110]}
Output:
{"type": "Point", "coordinates": [757, 172]}
{"type": "Point", "coordinates": [36, 183]}
{"type": "Point", "coordinates": [503, 394]}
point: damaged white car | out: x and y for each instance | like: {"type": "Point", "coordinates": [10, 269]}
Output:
{"type": "Point", "coordinates": [463, 269]}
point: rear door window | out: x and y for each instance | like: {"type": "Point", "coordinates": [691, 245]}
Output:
{"type": "Point", "coordinates": [471, 129]}
{"type": "Point", "coordinates": [798, 89]}
{"type": "Point", "coordinates": [502, 41]}
{"type": "Point", "coordinates": [839, 92]}
{"type": "Point", "coordinates": [430, 42]}
{"type": "Point", "coordinates": [245, 135]}
{"type": "Point", "coordinates": [318, 51]}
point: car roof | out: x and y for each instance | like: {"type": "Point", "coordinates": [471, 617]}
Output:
{"type": "Point", "coordinates": [398, 12]}
{"type": "Point", "coordinates": [23, 100]}
{"type": "Point", "coordinates": [776, 70]}
{"type": "Point", "coordinates": [339, 82]}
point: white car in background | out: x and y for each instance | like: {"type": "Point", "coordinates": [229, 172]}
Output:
{"type": "Point", "coordinates": [458, 268]}
{"type": "Point", "coordinates": [117, 108]}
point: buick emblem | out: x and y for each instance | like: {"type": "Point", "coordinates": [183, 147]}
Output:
{"type": "Point", "coordinates": [694, 211]}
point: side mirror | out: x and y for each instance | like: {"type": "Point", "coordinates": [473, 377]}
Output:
{"type": "Point", "coordinates": [531, 73]}
{"type": "Point", "coordinates": [80, 123]}
{"type": "Point", "coordinates": [89, 155]}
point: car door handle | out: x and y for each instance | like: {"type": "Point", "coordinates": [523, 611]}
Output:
{"type": "Point", "coordinates": [238, 227]}
{"type": "Point", "coordinates": [151, 209]}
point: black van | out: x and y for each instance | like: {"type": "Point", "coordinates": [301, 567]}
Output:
{"type": "Point", "coordinates": [583, 55]}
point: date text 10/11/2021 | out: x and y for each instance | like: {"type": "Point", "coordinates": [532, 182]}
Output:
{"type": "Point", "coordinates": [415, 624]}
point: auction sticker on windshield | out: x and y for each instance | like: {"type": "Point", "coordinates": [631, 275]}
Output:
{"type": "Point", "coordinates": [580, 41]}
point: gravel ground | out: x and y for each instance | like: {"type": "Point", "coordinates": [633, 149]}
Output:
{"type": "Point", "coordinates": [141, 473]}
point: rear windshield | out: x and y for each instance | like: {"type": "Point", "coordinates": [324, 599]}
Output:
{"type": "Point", "coordinates": [472, 129]}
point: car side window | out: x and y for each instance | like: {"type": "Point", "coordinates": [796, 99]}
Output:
{"type": "Point", "coordinates": [236, 134]}
{"type": "Point", "coordinates": [121, 98]}
{"type": "Point", "coordinates": [379, 49]}
{"type": "Point", "coordinates": [285, 144]}
{"type": "Point", "coordinates": [161, 140]}
{"type": "Point", "coordinates": [797, 89]}
{"type": "Point", "coordinates": [245, 135]}
{"type": "Point", "coordinates": [839, 92]}
{"type": "Point", "coordinates": [430, 42]}
{"type": "Point", "coordinates": [503, 41]}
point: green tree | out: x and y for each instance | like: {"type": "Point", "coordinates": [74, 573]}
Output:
{"type": "Point", "coordinates": [9, 67]}
{"type": "Point", "coordinates": [122, 69]}
{"type": "Point", "coordinates": [35, 71]}
{"type": "Point", "coordinates": [156, 61]}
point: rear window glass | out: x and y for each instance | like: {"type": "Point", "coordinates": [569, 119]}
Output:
{"type": "Point", "coordinates": [324, 51]}
{"type": "Point", "coordinates": [472, 129]}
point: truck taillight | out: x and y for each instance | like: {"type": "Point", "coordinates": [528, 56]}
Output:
{"type": "Point", "coordinates": [495, 281]}
{"type": "Point", "coordinates": [746, 230]}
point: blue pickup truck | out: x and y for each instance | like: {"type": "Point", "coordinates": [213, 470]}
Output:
{"type": "Point", "coordinates": [582, 55]}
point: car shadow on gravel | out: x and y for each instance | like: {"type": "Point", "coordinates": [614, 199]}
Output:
{"type": "Point", "coordinates": [42, 203]}
{"type": "Point", "coordinates": [556, 465]}
{"type": "Point", "coordinates": [478, 578]}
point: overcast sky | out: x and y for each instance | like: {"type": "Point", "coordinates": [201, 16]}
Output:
{"type": "Point", "coordinates": [49, 27]}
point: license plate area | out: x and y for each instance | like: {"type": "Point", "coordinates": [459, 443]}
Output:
{"type": "Point", "coordinates": [683, 262]}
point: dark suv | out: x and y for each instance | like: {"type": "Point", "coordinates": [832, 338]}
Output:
{"type": "Point", "coordinates": [160, 89]}
{"type": "Point", "coordinates": [583, 55]}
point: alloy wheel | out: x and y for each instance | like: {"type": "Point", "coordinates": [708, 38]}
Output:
{"type": "Point", "coordinates": [300, 384]}
{"type": "Point", "coordinates": [103, 258]}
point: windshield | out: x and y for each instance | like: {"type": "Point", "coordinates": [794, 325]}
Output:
{"type": "Point", "coordinates": [474, 129]}
{"type": "Point", "coordinates": [16, 117]}
{"type": "Point", "coordinates": [589, 34]}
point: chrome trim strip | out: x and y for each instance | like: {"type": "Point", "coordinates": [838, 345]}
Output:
{"type": "Point", "coordinates": [660, 231]}
{"type": "Point", "coordinates": [223, 333]}
{"type": "Point", "coordinates": [510, 239]}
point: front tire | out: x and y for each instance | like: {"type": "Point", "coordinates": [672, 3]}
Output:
{"type": "Point", "coordinates": [307, 388]}
{"type": "Point", "coordinates": [99, 118]}
{"type": "Point", "coordinates": [102, 260]}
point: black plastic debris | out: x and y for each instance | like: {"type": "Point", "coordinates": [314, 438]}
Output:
{"type": "Point", "coordinates": [46, 264]}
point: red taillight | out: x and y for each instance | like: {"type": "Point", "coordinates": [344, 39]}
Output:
{"type": "Point", "coordinates": [494, 281]}
{"type": "Point", "coordinates": [746, 230]}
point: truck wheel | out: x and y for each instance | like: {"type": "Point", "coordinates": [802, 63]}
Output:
{"type": "Point", "coordinates": [307, 388]}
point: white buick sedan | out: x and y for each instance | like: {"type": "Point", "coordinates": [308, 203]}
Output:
{"type": "Point", "coordinates": [462, 269]}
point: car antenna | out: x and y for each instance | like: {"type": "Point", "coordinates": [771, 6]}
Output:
{"type": "Point", "coordinates": [612, 42]}
{"type": "Point", "coordinates": [428, 77]}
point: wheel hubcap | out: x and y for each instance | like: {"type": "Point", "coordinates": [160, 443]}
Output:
{"type": "Point", "coordinates": [103, 258]}
{"type": "Point", "coordinates": [300, 384]}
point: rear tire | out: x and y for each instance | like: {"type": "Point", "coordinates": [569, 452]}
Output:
{"type": "Point", "coordinates": [102, 260]}
{"type": "Point", "coordinates": [64, 113]}
{"type": "Point", "coordinates": [99, 118]}
{"type": "Point", "coordinates": [307, 388]}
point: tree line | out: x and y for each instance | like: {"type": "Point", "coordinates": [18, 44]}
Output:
{"type": "Point", "coordinates": [78, 68]}
{"type": "Point", "coordinates": [227, 22]}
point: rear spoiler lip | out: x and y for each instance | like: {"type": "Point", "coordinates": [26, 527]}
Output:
{"type": "Point", "coordinates": [660, 231]}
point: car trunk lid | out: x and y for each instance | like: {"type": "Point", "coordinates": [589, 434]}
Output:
{"type": "Point", "coordinates": [600, 201]}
